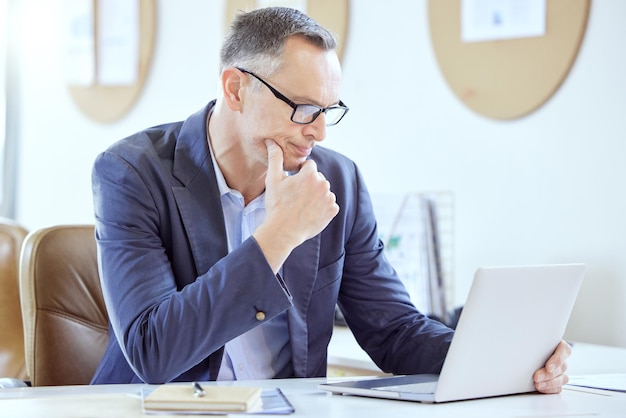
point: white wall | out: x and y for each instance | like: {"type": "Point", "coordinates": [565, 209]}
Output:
{"type": "Point", "coordinates": [546, 188]}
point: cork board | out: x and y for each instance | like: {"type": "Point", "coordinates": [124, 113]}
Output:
{"type": "Point", "coordinates": [107, 103]}
{"type": "Point", "coordinates": [507, 79]}
{"type": "Point", "coordinates": [332, 14]}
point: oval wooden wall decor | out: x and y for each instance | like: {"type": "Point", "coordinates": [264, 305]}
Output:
{"type": "Point", "coordinates": [510, 78]}
{"type": "Point", "coordinates": [332, 14]}
{"type": "Point", "coordinates": [107, 103]}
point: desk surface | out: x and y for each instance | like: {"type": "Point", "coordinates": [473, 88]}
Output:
{"type": "Point", "coordinates": [124, 401]}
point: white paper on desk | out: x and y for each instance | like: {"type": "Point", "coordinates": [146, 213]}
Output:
{"type": "Point", "coordinates": [273, 402]}
{"type": "Point", "coordinates": [607, 381]}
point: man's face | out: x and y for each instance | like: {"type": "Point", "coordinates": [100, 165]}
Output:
{"type": "Point", "coordinates": [309, 76]}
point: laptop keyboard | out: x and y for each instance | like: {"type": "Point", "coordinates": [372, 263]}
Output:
{"type": "Point", "coordinates": [422, 387]}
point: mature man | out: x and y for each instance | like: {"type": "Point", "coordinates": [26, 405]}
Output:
{"type": "Point", "coordinates": [226, 240]}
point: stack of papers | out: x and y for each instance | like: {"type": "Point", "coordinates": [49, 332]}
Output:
{"type": "Point", "coordinates": [176, 398]}
{"type": "Point", "coordinates": [608, 381]}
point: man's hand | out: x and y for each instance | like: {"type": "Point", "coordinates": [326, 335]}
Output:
{"type": "Point", "coordinates": [297, 207]}
{"type": "Point", "coordinates": [552, 377]}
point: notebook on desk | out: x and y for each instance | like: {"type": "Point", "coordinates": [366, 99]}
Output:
{"type": "Point", "coordinates": [512, 320]}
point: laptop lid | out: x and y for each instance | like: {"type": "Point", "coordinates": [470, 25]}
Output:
{"type": "Point", "coordinates": [512, 320]}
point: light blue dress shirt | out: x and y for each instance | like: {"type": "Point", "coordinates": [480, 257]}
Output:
{"type": "Point", "coordinates": [263, 352]}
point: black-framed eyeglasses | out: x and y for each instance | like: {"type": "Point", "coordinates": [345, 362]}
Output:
{"type": "Point", "coordinates": [303, 114]}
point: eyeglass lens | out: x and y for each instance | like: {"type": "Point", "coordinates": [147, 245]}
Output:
{"type": "Point", "coordinates": [305, 113]}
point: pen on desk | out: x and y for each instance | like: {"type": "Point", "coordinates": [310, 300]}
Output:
{"type": "Point", "coordinates": [197, 390]}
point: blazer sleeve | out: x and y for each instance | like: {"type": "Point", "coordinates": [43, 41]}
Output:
{"type": "Point", "coordinates": [167, 322]}
{"type": "Point", "coordinates": [374, 301]}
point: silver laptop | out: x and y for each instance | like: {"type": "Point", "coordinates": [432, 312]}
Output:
{"type": "Point", "coordinates": [512, 320]}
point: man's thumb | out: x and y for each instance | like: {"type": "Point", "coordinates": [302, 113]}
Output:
{"type": "Point", "coordinates": [274, 160]}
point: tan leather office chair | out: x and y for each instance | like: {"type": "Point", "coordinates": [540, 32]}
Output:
{"type": "Point", "coordinates": [11, 331]}
{"type": "Point", "coordinates": [65, 319]}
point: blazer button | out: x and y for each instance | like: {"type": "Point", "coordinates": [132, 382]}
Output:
{"type": "Point", "coordinates": [260, 316]}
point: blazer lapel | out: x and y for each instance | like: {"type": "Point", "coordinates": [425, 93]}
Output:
{"type": "Point", "coordinates": [200, 208]}
{"type": "Point", "coordinates": [198, 199]}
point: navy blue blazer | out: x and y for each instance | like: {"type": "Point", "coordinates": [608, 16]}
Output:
{"type": "Point", "coordinates": [175, 295]}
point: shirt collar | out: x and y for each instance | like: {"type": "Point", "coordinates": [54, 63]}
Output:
{"type": "Point", "coordinates": [221, 181]}
{"type": "Point", "coordinates": [222, 186]}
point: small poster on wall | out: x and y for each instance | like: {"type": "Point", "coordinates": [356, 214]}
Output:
{"type": "Point", "coordinates": [489, 20]}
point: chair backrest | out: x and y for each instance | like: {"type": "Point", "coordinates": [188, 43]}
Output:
{"type": "Point", "coordinates": [65, 319]}
{"type": "Point", "coordinates": [11, 330]}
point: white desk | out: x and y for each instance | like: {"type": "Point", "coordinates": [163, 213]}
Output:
{"type": "Point", "coordinates": [347, 358]}
{"type": "Point", "coordinates": [123, 400]}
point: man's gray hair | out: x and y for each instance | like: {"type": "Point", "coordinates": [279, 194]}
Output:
{"type": "Point", "coordinates": [256, 39]}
